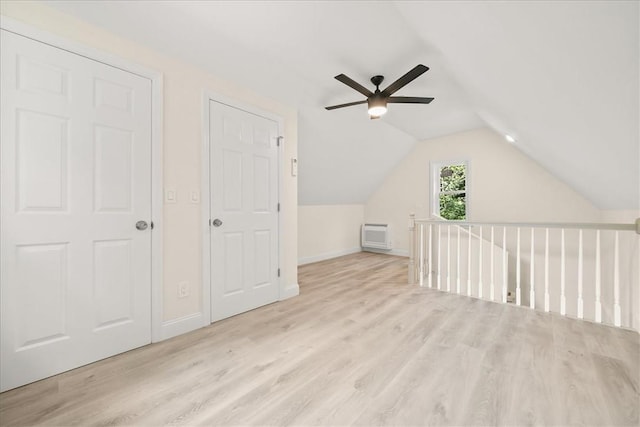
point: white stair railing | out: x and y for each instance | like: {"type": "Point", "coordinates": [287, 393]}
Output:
{"type": "Point", "coordinates": [587, 271]}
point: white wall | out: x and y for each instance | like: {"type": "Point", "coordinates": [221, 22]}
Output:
{"type": "Point", "coordinates": [182, 139]}
{"type": "Point", "coordinates": [620, 216]}
{"type": "Point", "coordinates": [328, 231]}
{"type": "Point", "coordinates": [504, 185]}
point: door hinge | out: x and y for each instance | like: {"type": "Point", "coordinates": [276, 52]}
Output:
{"type": "Point", "coordinates": [209, 222]}
{"type": "Point", "coordinates": [279, 139]}
{"type": "Point", "coordinates": [278, 207]}
{"type": "Point", "coordinates": [152, 225]}
{"type": "Point", "coordinates": [278, 272]}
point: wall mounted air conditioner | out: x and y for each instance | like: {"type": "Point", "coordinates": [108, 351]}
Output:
{"type": "Point", "coordinates": [376, 236]}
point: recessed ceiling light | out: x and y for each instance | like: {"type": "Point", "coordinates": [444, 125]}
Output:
{"type": "Point", "coordinates": [510, 138]}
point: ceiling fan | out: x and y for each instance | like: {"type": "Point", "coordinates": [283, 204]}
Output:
{"type": "Point", "coordinates": [378, 100]}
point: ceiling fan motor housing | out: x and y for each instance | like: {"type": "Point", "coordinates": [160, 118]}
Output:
{"type": "Point", "coordinates": [377, 100]}
{"type": "Point", "coordinates": [377, 103]}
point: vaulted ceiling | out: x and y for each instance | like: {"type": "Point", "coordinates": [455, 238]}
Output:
{"type": "Point", "coordinates": [561, 77]}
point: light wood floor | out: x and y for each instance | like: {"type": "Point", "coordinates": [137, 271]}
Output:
{"type": "Point", "coordinates": [358, 346]}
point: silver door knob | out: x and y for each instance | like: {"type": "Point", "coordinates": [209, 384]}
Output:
{"type": "Point", "coordinates": [216, 222]}
{"type": "Point", "coordinates": [142, 225]}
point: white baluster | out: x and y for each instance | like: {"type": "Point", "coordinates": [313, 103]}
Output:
{"type": "Point", "coordinates": [469, 264]}
{"type": "Point", "coordinates": [532, 292]}
{"type": "Point", "coordinates": [617, 314]}
{"type": "Point", "coordinates": [412, 248]}
{"type": "Point", "coordinates": [563, 276]}
{"type": "Point", "coordinates": [426, 266]}
{"type": "Point", "coordinates": [430, 264]}
{"type": "Point", "coordinates": [504, 264]}
{"type": "Point", "coordinates": [580, 280]}
{"type": "Point", "coordinates": [458, 263]}
{"type": "Point", "coordinates": [491, 291]}
{"type": "Point", "coordinates": [439, 257]}
{"type": "Point", "coordinates": [546, 270]}
{"type": "Point", "coordinates": [480, 263]}
{"type": "Point", "coordinates": [448, 258]}
{"type": "Point", "coordinates": [598, 273]}
{"type": "Point", "coordinates": [518, 293]}
{"type": "Point", "coordinates": [421, 252]}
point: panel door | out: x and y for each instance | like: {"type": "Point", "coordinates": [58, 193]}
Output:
{"type": "Point", "coordinates": [76, 177]}
{"type": "Point", "coordinates": [244, 198]}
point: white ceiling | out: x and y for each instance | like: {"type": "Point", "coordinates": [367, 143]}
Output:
{"type": "Point", "coordinates": [562, 77]}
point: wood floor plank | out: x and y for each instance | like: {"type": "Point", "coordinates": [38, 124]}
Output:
{"type": "Point", "coordinates": [358, 347]}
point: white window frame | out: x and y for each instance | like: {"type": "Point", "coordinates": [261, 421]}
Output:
{"type": "Point", "coordinates": [434, 196]}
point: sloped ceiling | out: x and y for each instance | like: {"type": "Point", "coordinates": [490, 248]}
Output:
{"type": "Point", "coordinates": [562, 77]}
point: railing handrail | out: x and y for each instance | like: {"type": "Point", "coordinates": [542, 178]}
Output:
{"type": "Point", "coordinates": [574, 225]}
{"type": "Point", "coordinates": [437, 219]}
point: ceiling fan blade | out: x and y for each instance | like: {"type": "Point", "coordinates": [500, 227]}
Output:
{"type": "Point", "coordinates": [354, 85]}
{"type": "Point", "coordinates": [349, 104]}
{"type": "Point", "coordinates": [417, 71]}
{"type": "Point", "coordinates": [409, 100]}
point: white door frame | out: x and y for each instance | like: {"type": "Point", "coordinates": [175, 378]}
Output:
{"type": "Point", "coordinates": [205, 187]}
{"type": "Point", "coordinates": [155, 77]}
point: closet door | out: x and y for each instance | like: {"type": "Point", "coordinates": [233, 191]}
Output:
{"type": "Point", "coordinates": [76, 179]}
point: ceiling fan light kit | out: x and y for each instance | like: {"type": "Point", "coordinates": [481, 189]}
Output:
{"type": "Point", "coordinates": [377, 106]}
{"type": "Point", "coordinates": [377, 101]}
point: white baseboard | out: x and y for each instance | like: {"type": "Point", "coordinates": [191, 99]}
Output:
{"type": "Point", "coordinates": [182, 325]}
{"type": "Point", "coordinates": [399, 252]}
{"type": "Point", "coordinates": [290, 292]}
{"type": "Point", "coordinates": [396, 252]}
{"type": "Point", "coordinates": [327, 255]}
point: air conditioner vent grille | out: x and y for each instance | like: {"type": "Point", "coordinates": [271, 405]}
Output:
{"type": "Point", "coordinates": [376, 236]}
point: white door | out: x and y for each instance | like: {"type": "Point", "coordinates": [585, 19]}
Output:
{"type": "Point", "coordinates": [244, 210]}
{"type": "Point", "coordinates": [76, 177]}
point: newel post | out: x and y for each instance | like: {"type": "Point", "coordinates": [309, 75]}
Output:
{"type": "Point", "coordinates": [412, 249]}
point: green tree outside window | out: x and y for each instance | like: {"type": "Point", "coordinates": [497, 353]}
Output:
{"type": "Point", "coordinates": [453, 197]}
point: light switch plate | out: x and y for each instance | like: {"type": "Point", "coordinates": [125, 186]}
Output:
{"type": "Point", "coordinates": [194, 196]}
{"type": "Point", "coordinates": [183, 289]}
{"type": "Point", "coordinates": [170, 195]}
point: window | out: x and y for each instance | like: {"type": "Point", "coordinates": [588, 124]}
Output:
{"type": "Point", "coordinates": [449, 195]}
